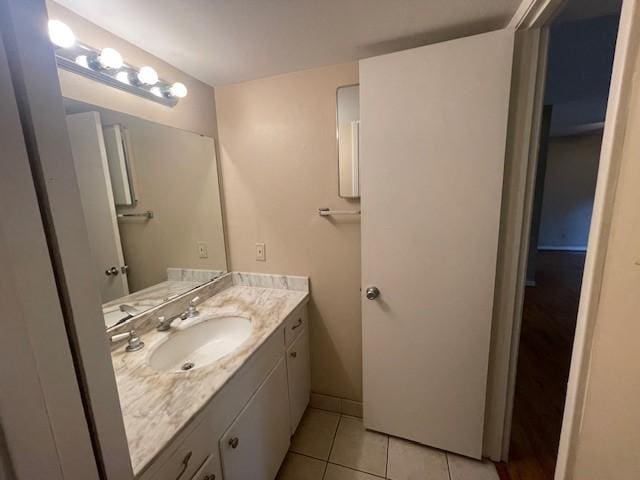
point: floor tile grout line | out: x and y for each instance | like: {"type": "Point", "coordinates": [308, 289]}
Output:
{"type": "Point", "coordinates": [333, 441]}
{"type": "Point", "coordinates": [386, 465]}
{"type": "Point", "coordinates": [327, 411]}
{"type": "Point", "coordinates": [356, 470]}
{"type": "Point", "coordinates": [308, 456]}
{"type": "Point", "coordinates": [446, 455]}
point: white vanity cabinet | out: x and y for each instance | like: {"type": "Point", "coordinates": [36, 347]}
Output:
{"type": "Point", "coordinates": [208, 470]}
{"type": "Point", "coordinates": [244, 432]}
{"type": "Point", "coordinates": [256, 442]}
{"type": "Point", "coordinates": [196, 458]}
{"type": "Point", "coordinates": [299, 380]}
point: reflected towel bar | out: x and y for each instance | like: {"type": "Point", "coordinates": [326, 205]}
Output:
{"type": "Point", "coordinates": [325, 212]}
{"type": "Point", "coordinates": [148, 215]}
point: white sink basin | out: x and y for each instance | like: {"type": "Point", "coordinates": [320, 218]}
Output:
{"type": "Point", "coordinates": [200, 345]}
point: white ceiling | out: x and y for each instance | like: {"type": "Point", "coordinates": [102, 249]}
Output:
{"type": "Point", "coordinates": [227, 41]}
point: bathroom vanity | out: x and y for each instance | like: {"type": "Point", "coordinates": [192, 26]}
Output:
{"type": "Point", "coordinates": [218, 395]}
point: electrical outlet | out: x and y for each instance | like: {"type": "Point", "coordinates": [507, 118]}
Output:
{"type": "Point", "coordinates": [202, 250]}
{"type": "Point", "coordinates": [261, 252]}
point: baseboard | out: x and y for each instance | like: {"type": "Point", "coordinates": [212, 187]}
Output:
{"type": "Point", "coordinates": [336, 404]}
{"type": "Point", "coordinates": [569, 248]}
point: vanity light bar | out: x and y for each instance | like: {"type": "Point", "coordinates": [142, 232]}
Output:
{"type": "Point", "coordinates": [108, 67]}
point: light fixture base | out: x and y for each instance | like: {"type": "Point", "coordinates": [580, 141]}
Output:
{"type": "Point", "coordinates": [102, 77]}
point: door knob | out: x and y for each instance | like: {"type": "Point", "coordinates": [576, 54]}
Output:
{"type": "Point", "coordinates": [372, 293]}
{"type": "Point", "coordinates": [111, 271]}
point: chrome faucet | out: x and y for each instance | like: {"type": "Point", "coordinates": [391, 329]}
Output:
{"type": "Point", "coordinates": [134, 342]}
{"type": "Point", "coordinates": [164, 323]}
{"type": "Point", "coordinates": [192, 311]}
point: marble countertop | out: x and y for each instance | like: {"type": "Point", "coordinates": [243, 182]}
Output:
{"type": "Point", "coordinates": [157, 405]}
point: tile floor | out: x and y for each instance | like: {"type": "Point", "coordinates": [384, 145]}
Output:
{"type": "Point", "coordinates": [331, 446]}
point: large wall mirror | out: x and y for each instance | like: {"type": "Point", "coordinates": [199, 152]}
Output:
{"type": "Point", "coordinates": [151, 201]}
{"type": "Point", "coordinates": [348, 135]}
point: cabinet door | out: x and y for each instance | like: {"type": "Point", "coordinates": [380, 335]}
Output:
{"type": "Point", "coordinates": [258, 439]}
{"type": "Point", "coordinates": [299, 377]}
{"type": "Point", "coordinates": [196, 454]}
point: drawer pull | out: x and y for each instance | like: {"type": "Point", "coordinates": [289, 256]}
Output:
{"type": "Point", "coordinates": [297, 324]}
{"type": "Point", "coordinates": [185, 464]}
{"type": "Point", "coordinates": [234, 442]}
{"type": "Point", "coordinates": [293, 354]}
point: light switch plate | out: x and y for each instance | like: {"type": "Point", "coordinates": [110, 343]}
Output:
{"type": "Point", "coordinates": [202, 250]}
{"type": "Point", "coordinates": [261, 252]}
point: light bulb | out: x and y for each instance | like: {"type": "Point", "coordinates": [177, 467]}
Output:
{"type": "Point", "coordinates": [110, 58]}
{"type": "Point", "coordinates": [178, 90]}
{"type": "Point", "coordinates": [148, 76]}
{"type": "Point", "coordinates": [123, 77]}
{"type": "Point", "coordinates": [157, 92]}
{"type": "Point", "coordinates": [60, 34]}
{"type": "Point", "coordinates": [83, 61]}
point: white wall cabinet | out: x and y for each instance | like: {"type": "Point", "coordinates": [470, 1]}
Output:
{"type": "Point", "coordinates": [245, 430]}
{"type": "Point", "coordinates": [299, 380]}
{"type": "Point", "coordinates": [257, 441]}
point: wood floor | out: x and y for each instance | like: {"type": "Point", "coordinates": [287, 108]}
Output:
{"type": "Point", "coordinates": [548, 327]}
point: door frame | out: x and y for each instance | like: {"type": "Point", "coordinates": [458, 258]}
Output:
{"type": "Point", "coordinates": [39, 99]}
{"type": "Point", "coordinates": [532, 16]}
{"type": "Point", "coordinates": [44, 431]}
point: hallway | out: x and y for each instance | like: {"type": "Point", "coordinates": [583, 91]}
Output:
{"type": "Point", "coordinates": [548, 326]}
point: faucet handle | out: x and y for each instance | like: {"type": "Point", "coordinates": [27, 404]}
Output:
{"type": "Point", "coordinates": [192, 311]}
{"type": "Point", "coordinates": [134, 341]}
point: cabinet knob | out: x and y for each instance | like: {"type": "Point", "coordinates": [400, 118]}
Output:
{"type": "Point", "coordinates": [210, 477]}
{"type": "Point", "coordinates": [294, 354]}
{"type": "Point", "coordinates": [234, 442]}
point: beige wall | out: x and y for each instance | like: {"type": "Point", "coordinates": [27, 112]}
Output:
{"type": "Point", "coordinates": [569, 188]}
{"type": "Point", "coordinates": [279, 165]}
{"type": "Point", "coordinates": [196, 112]}
{"type": "Point", "coordinates": [608, 443]}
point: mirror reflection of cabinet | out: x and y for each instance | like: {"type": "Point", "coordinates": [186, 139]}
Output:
{"type": "Point", "coordinates": [119, 165]}
{"type": "Point", "coordinates": [348, 135]}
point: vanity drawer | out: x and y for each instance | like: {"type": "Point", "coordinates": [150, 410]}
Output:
{"type": "Point", "coordinates": [208, 471]}
{"type": "Point", "coordinates": [295, 324]}
{"type": "Point", "coordinates": [190, 457]}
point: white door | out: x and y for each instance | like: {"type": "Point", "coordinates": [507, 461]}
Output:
{"type": "Point", "coordinates": [92, 171]}
{"type": "Point", "coordinates": [433, 133]}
